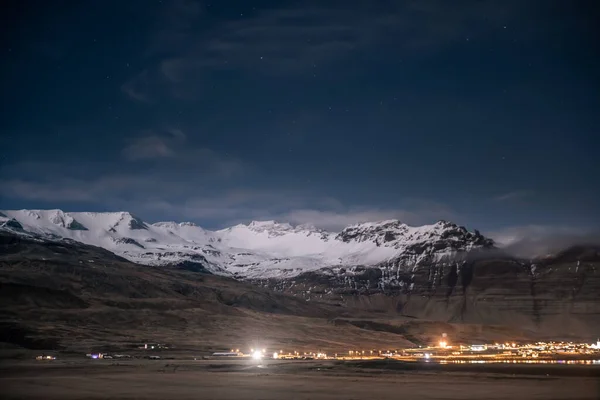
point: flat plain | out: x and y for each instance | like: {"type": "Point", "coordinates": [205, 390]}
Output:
{"type": "Point", "coordinates": [241, 379]}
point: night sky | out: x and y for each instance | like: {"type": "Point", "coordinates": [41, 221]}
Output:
{"type": "Point", "coordinates": [485, 113]}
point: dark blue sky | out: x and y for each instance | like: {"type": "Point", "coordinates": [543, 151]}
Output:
{"type": "Point", "coordinates": [481, 112]}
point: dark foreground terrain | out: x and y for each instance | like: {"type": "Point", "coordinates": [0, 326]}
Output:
{"type": "Point", "coordinates": [238, 379]}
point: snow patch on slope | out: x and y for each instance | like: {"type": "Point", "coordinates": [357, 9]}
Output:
{"type": "Point", "coordinates": [258, 250]}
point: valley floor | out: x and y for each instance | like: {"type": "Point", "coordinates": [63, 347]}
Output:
{"type": "Point", "coordinates": [286, 380]}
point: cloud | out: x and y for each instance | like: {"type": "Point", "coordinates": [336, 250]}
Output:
{"type": "Point", "coordinates": [288, 41]}
{"type": "Point", "coordinates": [137, 88]}
{"type": "Point", "coordinates": [514, 196]}
{"type": "Point", "coordinates": [177, 134]}
{"type": "Point", "coordinates": [154, 168]}
{"type": "Point", "coordinates": [28, 190]}
{"type": "Point", "coordinates": [539, 240]}
{"type": "Point", "coordinates": [171, 146]}
{"type": "Point", "coordinates": [336, 217]}
{"type": "Point", "coordinates": [155, 144]}
{"type": "Point", "coordinates": [94, 190]}
{"type": "Point", "coordinates": [336, 220]}
{"type": "Point", "coordinates": [181, 13]}
{"type": "Point", "coordinates": [296, 207]}
{"type": "Point", "coordinates": [206, 187]}
{"type": "Point", "coordinates": [148, 147]}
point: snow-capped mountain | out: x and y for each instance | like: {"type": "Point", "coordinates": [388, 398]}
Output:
{"type": "Point", "coordinates": [259, 250]}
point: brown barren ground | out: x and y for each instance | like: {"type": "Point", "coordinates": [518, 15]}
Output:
{"type": "Point", "coordinates": [215, 379]}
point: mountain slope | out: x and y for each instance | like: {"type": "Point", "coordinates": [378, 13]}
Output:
{"type": "Point", "coordinates": [64, 295]}
{"type": "Point", "coordinates": [61, 294]}
{"type": "Point", "coordinates": [259, 250]}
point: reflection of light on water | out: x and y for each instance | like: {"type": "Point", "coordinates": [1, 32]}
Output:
{"type": "Point", "coordinates": [568, 362]}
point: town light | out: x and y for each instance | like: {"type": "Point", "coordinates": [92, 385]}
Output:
{"type": "Point", "coordinates": [443, 344]}
{"type": "Point", "coordinates": [257, 355]}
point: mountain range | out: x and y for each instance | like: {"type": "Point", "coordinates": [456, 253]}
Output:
{"type": "Point", "coordinates": [258, 250]}
{"type": "Point", "coordinates": [439, 273]}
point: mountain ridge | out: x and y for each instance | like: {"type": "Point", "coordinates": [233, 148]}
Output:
{"type": "Point", "coordinates": [259, 249]}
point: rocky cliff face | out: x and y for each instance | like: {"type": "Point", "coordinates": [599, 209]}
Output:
{"type": "Point", "coordinates": [557, 296]}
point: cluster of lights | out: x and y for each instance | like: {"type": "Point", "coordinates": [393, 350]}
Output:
{"type": "Point", "coordinates": [258, 354]}
{"type": "Point", "coordinates": [532, 350]}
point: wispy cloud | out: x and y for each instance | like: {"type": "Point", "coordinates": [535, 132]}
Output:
{"type": "Point", "coordinates": [514, 195]}
{"type": "Point", "coordinates": [160, 166]}
{"type": "Point", "coordinates": [70, 190]}
{"type": "Point", "coordinates": [137, 88]}
{"type": "Point", "coordinates": [337, 219]}
{"type": "Point", "coordinates": [168, 196]}
{"type": "Point", "coordinates": [292, 40]}
{"type": "Point", "coordinates": [152, 145]}
{"type": "Point", "coordinates": [148, 147]}
{"type": "Point", "coordinates": [295, 207]}
{"type": "Point", "coordinates": [100, 190]}
{"type": "Point", "coordinates": [540, 240]}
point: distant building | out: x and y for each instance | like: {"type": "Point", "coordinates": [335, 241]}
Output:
{"type": "Point", "coordinates": [478, 347]}
{"type": "Point", "coordinates": [226, 354]}
{"type": "Point", "coordinates": [154, 346]}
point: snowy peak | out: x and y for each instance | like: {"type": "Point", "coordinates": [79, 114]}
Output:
{"type": "Point", "coordinates": [270, 227]}
{"type": "Point", "coordinates": [121, 220]}
{"type": "Point", "coordinates": [173, 224]}
{"type": "Point", "coordinates": [65, 220]}
{"type": "Point", "coordinates": [58, 218]}
{"type": "Point", "coordinates": [443, 236]}
{"type": "Point", "coordinates": [260, 249]}
{"type": "Point", "coordinates": [273, 229]}
{"type": "Point", "coordinates": [383, 231]}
